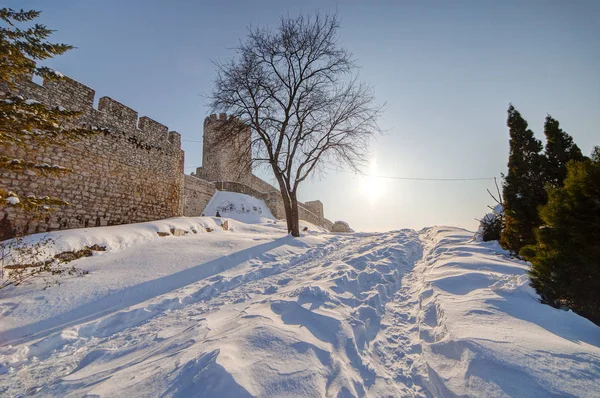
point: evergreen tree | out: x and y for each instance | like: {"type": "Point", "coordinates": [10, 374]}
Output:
{"type": "Point", "coordinates": [523, 188]}
{"type": "Point", "coordinates": [566, 258]}
{"type": "Point", "coordinates": [25, 122]}
{"type": "Point", "coordinates": [560, 149]}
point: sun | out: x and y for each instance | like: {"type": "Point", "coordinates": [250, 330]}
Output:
{"type": "Point", "coordinates": [372, 186]}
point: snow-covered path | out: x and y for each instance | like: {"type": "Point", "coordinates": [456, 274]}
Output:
{"type": "Point", "coordinates": [319, 299]}
{"type": "Point", "coordinates": [397, 349]}
{"type": "Point", "coordinates": [253, 312]}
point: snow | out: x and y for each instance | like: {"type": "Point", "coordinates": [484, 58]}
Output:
{"type": "Point", "coordinates": [238, 206]}
{"type": "Point", "coordinates": [13, 200]}
{"type": "Point", "coordinates": [484, 332]}
{"type": "Point", "coordinates": [341, 226]}
{"type": "Point", "coordinates": [498, 209]}
{"type": "Point", "coordinates": [252, 311]}
{"type": "Point", "coordinates": [56, 73]}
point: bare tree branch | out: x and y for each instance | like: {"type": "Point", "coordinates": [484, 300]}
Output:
{"type": "Point", "coordinates": [299, 92]}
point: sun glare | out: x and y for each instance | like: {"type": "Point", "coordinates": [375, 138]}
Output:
{"type": "Point", "coordinates": [372, 186]}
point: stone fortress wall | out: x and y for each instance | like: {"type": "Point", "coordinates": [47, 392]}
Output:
{"type": "Point", "coordinates": [131, 171]}
{"type": "Point", "coordinates": [197, 194]}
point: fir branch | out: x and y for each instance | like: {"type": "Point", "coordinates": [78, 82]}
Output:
{"type": "Point", "coordinates": [22, 120]}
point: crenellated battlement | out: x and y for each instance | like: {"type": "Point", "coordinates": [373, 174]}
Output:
{"type": "Point", "coordinates": [219, 118]}
{"type": "Point", "coordinates": [111, 114]}
{"type": "Point", "coordinates": [153, 130]}
{"type": "Point", "coordinates": [127, 116]}
{"type": "Point", "coordinates": [69, 93]}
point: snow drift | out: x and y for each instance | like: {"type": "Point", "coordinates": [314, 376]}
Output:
{"type": "Point", "coordinates": [484, 332]}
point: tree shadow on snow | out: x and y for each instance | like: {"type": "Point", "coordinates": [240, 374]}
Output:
{"type": "Point", "coordinates": [136, 294]}
{"type": "Point", "coordinates": [567, 325]}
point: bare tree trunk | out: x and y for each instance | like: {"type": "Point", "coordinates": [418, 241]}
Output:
{"type": "Point", "coordinates": [288, 213]}
{"type": "Point", "coordinates": [290, 204]}
{"type": "Point", "coordinates": [294, 225]}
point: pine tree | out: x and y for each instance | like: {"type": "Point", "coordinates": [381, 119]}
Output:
{"type": "Point", "coordinates": [25, 122]}
{"type": "Point", "coordinates": [523, 188]}
{"type": "Point", "coordinates": [560, 149]}
{"type": "Point", "coordinates": [566, 258]}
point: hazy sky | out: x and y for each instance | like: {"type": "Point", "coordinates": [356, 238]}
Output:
{"type": "Point", "coordinates": [446, 69]}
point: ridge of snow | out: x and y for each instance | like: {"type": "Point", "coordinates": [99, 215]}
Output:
{"type": "Point", "coordinates": [484, 332]}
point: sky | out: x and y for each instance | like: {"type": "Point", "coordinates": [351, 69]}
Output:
{"type": "Point", "coordinates": [446, 70]}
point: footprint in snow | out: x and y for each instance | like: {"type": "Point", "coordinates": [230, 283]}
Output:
{"type": "Point", "coordinates": [215, 278]}
{"type": "Point", "coordinates": [271, 289]}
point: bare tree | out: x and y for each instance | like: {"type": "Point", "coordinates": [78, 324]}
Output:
{"type": "Point", "coordinates": [298, 90]}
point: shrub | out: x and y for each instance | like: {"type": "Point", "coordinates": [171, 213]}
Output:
{"type": "Point", "coordinates": [491, 225]}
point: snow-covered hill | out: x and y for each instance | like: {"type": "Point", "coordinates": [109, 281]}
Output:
{"type": "Point", "coordinates": [253, 312]}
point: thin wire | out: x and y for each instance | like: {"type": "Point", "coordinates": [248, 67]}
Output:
{"type": "Point", "coordinates": [431, 179]}
{"type": "Point", "coordinates": [397, 178]}
{"type": "Point", "coordinates": [405, 178]}
{"type": "Point", "coordinates": [417, 178]}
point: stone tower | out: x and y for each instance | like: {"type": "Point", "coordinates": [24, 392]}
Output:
{"type": "Point", "coordinates": [225, 160]}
